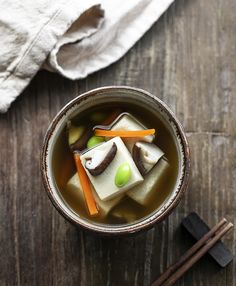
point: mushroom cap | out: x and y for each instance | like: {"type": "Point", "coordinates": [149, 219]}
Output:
{"type": "Point", "coordinates": [146, 155]}
{"type": "Point", "coordinates": [101, 160]}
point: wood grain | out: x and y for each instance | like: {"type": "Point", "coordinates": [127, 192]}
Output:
{"type": "Point", "coordinates": [188, 60]}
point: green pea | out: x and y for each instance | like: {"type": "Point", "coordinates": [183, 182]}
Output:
{"type": "Point", "coordinates": [95, 140]}
{"type": "Point", "coordinates": [123, 175]}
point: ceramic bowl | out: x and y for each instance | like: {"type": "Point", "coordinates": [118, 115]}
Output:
{"type": "Point", "coordinates": [116, 94]}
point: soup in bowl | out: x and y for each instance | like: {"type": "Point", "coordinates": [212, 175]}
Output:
{"type": "Point", "coordinates": [115, 160]}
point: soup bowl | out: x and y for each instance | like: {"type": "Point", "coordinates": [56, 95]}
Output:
{"type": "Point", "coordinates": [116, 95]}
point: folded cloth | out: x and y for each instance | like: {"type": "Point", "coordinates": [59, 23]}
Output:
{"type": "Point", "coordinates": [71, 37]}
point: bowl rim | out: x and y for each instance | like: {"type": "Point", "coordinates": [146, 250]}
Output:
{"type": "Point", "coordinates": [150, 220]}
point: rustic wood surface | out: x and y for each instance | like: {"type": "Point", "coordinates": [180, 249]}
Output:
{"type": "Point", "coordinates": [188, 60]}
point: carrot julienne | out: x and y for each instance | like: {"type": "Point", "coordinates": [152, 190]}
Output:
{"type": "Point", "coordinates": [124, 133]}
{"type": "Point", "coordinates": [84, 180]}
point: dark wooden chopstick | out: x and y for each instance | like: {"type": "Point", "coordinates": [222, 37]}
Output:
{"type": "Point", "coordinates": [188, 253]}
{"type": "Point", "coordinates": [174, 272]}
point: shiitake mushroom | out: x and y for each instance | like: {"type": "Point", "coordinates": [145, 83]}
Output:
{"type": "Point", "coordinates": [78, 136]}
{"type": "Point", "coordinates": [145, 156]}
{"type": "Point", "coordinates": [101, 160]}
{"type": "Point", "coordinates": [81, 143]}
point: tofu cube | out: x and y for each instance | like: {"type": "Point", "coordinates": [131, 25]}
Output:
{"type": "Point", "coordinates": [104, 183]}
{"type": "Point", "coordinates": [74, 186]}
{"type": "Point", "coordinates": [128, 122]}
{"type": "Point", "coordinates": [144, 192]}
{"type": "Point", "coordinates": [124, 213]}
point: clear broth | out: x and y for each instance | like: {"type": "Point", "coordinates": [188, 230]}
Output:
{"type": "Point", "coordinates": [64, 167]}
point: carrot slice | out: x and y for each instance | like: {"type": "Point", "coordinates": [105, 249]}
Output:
{"type": "Point", "coordinates": [124, 133]}
{"type": "Point", "coordinates": [84, 180]}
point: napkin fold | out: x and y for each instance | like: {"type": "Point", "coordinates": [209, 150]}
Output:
{"type": "Point", "coordinates": [71, 37]}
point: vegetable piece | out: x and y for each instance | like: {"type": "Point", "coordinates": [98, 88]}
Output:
{"type": "Point", "coordinates": [98, 117]}
{"type": "Point", "coordinates": [74, 188]}
{"type": "Point", "coordinates": [146, 155]}
{"type": "Point", "coordinates": [74, 132]}
{"type": "Point", "coordinates": [111, 117]}
{"type": "Point", "coordinates": [94, 140]}
{"type": "Point", "coordinates": [136, 153]}
{"type": "Point", "coordinates": [100, 161]}
{"type": "Point", "coordinates": [123, 175]}
{"type": "Point", "coordinates": [81, 143]}
{"type": "Point", "coordinates": [124, 133]}
{"type": "Point", "coordinates": [84, 180]}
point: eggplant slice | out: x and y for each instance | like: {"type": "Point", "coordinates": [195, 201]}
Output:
{"type": "Point", "coordinates": [98, 164]}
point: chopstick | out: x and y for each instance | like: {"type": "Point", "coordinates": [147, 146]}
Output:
{"type": "Point", "coordinates": [174, 272]}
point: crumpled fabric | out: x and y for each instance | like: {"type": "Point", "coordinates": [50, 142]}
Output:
{"type": "Point", "coordinates": [70, 37]}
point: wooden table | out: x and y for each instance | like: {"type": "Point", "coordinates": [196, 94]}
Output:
{"type": "Point", "coordinates": [188, 59]}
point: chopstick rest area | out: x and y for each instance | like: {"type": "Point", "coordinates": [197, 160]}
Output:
{"type": "Point", "coordinates": [191, 256]}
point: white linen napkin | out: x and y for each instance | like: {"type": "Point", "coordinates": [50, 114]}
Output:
{"type": "Point", "coordinates": [71, 37]}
